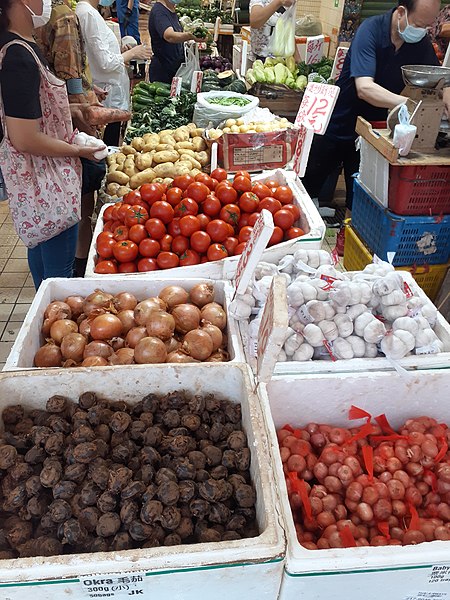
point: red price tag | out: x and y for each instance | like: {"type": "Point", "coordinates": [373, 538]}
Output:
{"type": "Point", "coordinates": [175, 88]}
{"type": "Point", "coordinates": [196, 83]}
{"type": "Point", "coordinates": [339, 59]}
{"type": "Point", "coordinates": [317, 105]}
{"type": "Point", "coordinates": [302, 149]}
{"type": "Point", "coordinates": [314, 49]}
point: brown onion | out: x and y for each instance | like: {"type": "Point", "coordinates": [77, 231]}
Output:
{"type": "Point", "coordinates": [161, 325]}
{"type": "Point", "coordinates": [48, 355]}
{"type": "Point", "coordinates": [84, 328]}
{"type": "Point", "coordinates": [97, 299]}
{"type": "Point", "coordinates": [76, 305]}
{"type": "Point", "coordinates": [94, 361]}
{"type": "Point", "coordinates": [219, 356]}
{"type": "Point", "coordinates": [172, 345]}
{"type": "Point", "coordinates": [123, 356]}
{"type": "Point", "coordinates": [145, 308]}
{"type": "Point", "coordinates": [124, 301]}
{"type": "Point", "coordinates": [61, 328]}
{"type": "Point", "coordinates": [198, 344]}
{"type": "Point", "coordinates": [213, 313]}
{"type": "Point", "coordinates": [57, 310]}
{"type": "Point", "coordinates": [117, 343]}
{"type": "Point", "coordinates": [134, 336]}
{"type": "Point", "coordinates": [45, 329]}
{"type": "Point", "coordinates": [215, 334]}
{"type": "Point", "coordinates": [202, 294]}
{"type": "Point", "coordinates": [187, 317]}
{"type": "Point", "coordinates": [72, 346]}
{"type": "Point", "coordinates": [127, 319]}
{"type": "Point", "coordinates": [106, 327]}
{"type": "Point", "coordinates": [173, 295]}
{"type": "Point", "coordinates": [150, 350]}
{"type": "Point", "coordinates": [179, 357]}
{"type": "Point", "coordinates": [98, 348]}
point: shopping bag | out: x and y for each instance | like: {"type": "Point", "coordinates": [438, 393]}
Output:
{"type": "Point", "coordinates": [191, 63]}
{"type": "Point", "coordinates": [282, 40]}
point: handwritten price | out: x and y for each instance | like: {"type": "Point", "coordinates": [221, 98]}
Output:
{"type": "Point", "coordinates": [338, 64]}
{"type": "Point", "coordinates": [316, 107]}
{"type": "Point", "coordinates": [314, 49]}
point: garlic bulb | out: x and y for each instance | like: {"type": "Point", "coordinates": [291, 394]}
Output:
{"type": "Point", "coordinates": [313, 335]}
{"type": "Point", "coordinates": [329, 330]}
{"type": "Point", "coordinates": [305, 352]}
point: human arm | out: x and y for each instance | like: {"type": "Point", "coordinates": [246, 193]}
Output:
{"type": "Point", "coordinates": [141, 52]}
{"type": "Point", "coordinates": [177, 37]}
{"type": "Point", "coordinates": [259, 14]}
{"type": "Point", "coordinates": [376, 95]}
{"type": "Point", "coordinates": [93, 32]}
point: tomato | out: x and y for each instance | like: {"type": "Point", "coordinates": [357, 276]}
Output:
{"type": "Point", "coordinates": [270, 204]}
{"type": "Point", "coordinates": [217, 230]}
{"type": "Point", "coordinates": [226, 193]}
{"type": "Point", "coordinates": [107, 226]}
{"type": "Point", "coordinates": [167, 260]}
{"type": "Point", "coordinates": [107, 214]}
{"type": "Point", "coordinates": [180, 244]}
{"type": "Point", "coordinates": [173, 228]}
{"type": "Point", "coordinates": [200, 241]}
{"type": "Point", "coordinates": [249, 202]}
{"type": "Point", "coordinates": [125, 251]}
{"type": "Point", "coordinates": [147, 264]}
{"type": "Point", "coordinates": [261, 190]}
{"type": "Point", "coordinates": [294, 232]}
{"type": "Point", "coordinates": [230, 244]}
{"type": "Point", "coordinates": [243, 221]}
{"type": "Point", "coordinates": [115, 224]}
{"type": "Point", "coordinates": [136, 215]}
{"type": "Point", "coordinates": [104, 235]}
{"type": "Point", "coordinates": [284, 194]}
{"type": "Point", "coordinates": [187, 206]}
{"type": "Point", "coordinates": [116, 207]}
{"type": "Point", "coordinates": [245, 233]}
{"type": "Point", "coordinates": [174, 196]}
{"type": "Point", "coordinates": [206, 179]}
{"type": "Point", "coordinates": [122, 212]}
{"type": "Point", "coordinates": [163, 211]}
{"type": "Point", "coordinates": [294, 209]}
{"type": "Point", "coordinates": [137, 233]}
{"type": "Point", "coordinates": [242, 174]}
{"type": "Point", "coordinates": [239, 248]}
{"type": "Point", "coordinates": [204, 259]}
{"type": "Point", "coordinates": [230, 230]}
{"type": "Point", "coordinates": [190, 257]}
{"type": "Point", "coordinates": [105, 246]}
{"type": "Point", "coordinates": [155, 228]}
{"type": "Point", "coordinates": [219, 174]}
{"type": "Point", "coordinates": [271, 184]}
{"type": "Point", "coordinates": [231, 214]}
{"type": "Point", "coordinates": [284, 219]}
{"type": "Point", "coordinates": [133, 197]}
{"type": "Point", "coordinates": [127, 267]}
{"type": "Point", "coordinates": [253, 218]}
{"type": "Point", "coordinates": [189, 224]}
{"type": "Point", "coordinates": [197, 191]}
{"type": "Point", "coordinates": [211, 206]}
{"type": "Point", "coordinates": [183, 181]}
{"type": "Point", "coordinates": [214, 183]}
{"type": "Point", "coordinates": [216, 252]}
{"type": "Point", "coordinates": [204, 220]}
{"type": "Point", "coordinates": [277, 236]}
{"type": "Point", "coordinates": [149, 248]}
{"type": "Point", "coordinates": [166, 243]}
{"type": "Point", "coordinates": [151, 192]}
{"type": "Point", "coordinates": [242, 184]}
{"type": "Point", "coordinates": [105, 267]}
{"type": "Point", "coordinates": [120, 233]}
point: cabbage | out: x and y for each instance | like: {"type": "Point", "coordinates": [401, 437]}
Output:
{"type": "Point", "coordinates": [258, 63]}
{"type": "Point", "coordinates": [281, 73]}
{"type": "Point", "coordinates": [301, 82]}
{"type": "Point", "coordinates": [250, 77]}
{"type": "Point", "coordinates": [290, 64]}
{"type": "Point", "coordinates": [259, 72]}
{"type": "Point", "coordinates": [270, 74]}
{"type": "Point", "coordinates": [290, 81]}
{"type": "Point", "coordinates": [270, 62]}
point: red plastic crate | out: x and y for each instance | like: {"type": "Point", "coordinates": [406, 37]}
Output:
{"type": "Point", "coordinates": [419, 190]}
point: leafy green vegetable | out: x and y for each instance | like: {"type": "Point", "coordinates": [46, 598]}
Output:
{"type": "Point", "coordinates": [228, 101]}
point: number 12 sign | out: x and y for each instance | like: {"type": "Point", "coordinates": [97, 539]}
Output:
{"type": "Point", "coordinates": [317, 105]}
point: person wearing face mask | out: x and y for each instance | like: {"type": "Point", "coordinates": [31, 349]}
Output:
{"type": "Point", "coordinates": [370, 85]}
{"type": "Point", "coordinates": [40, 165]}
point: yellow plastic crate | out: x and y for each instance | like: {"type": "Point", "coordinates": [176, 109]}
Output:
{"type": "Point", "coordinates": [357, 256]}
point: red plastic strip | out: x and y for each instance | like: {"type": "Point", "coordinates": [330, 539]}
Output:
{"type": "Point", "coordinates": [297, 433]}
{"type": "Point", "coordinates": [383, 527]}
{"type": "Point", "coordinates": [288, 427]}
{"type": "Point", "coordinates": [358, 413]}
{"type": "Point", "coordinates": [365, 430]}
{"type": "Point", "coordinates": [388, 438]}
{"type": "Point", "coordinates": [384, 424]}
{"type": "Point", "coordinates": [443, 451]}
{"type": "Point", "coordinates": [414, 523]}
{"type": "Point", "coordinates": [367, 452]}
{"type": "Point", "coordinates": [347, 537]}
{"type": "Point", "coordinates": [432, 476]}
{"type": "Point", "coordinates": [299, 486]}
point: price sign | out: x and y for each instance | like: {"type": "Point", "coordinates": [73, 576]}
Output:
{"type": "Point", "coordinates": [123, 585]}
{"type": "Point", "coordinates": [317, 105]}
{"type": "Point", "coordinates": [314, 49]}
{"type": "Point", "coordinates": [300, 160]}
{"type": "Point", "coordinates": [250, 257]}
{"type": "Point", "coordinates": [196, 83]}
{"type": "Point", "coordinates": [341, 53]}
{"type": "Point", "coordinates": [272, 331]}
{"type": "Point", "coordinates": [175, 88]}
{"type": "Point", "coordinates": [244, 55]}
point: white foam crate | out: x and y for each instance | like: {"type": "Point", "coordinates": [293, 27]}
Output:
{"type": "Point", "coordinates": [250, 568]}
{"type": "Point", "coordinates": [392, 572]}
{"type": "Point", "coordinates": [310, 221]}
{"type": "Point", "coordinates": [29, 338]}
{"type": "Point", "coordinates": [374, 173]}
{"type": "Point", "coordinates": [380, 363]}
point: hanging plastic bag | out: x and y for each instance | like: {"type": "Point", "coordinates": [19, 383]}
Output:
{"type": "Point", "coordinates": [404, 133]}
{"type": "Point", "coordinates": [282, 40]}
{"type": "Point", "coordinates": [191, 62]}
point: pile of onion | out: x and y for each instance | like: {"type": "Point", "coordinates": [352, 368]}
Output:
{"type": "Point", "coordinates": [177, 326]}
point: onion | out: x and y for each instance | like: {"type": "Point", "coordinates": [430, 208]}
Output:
{"type": "Point", "coordinates": [187, 317]}
{"type": "Point", "coordinates": [213, 313]}
{"type": "Point", "coordinates": [106, 327]}
{"type": "Point", "coordinates": [69, 363]}
{"type": "Point", "coordinates": [57, 310]}
{"type": "Point", "coordinates": [45, 329]}
{"type": "Point", "coordinates": [124, 301]}
{"type": "Point", "coordinates": [94, 361]}
{"type": "Point", "coordinates": [202, 293]}
{"type": "Point", "coordinates": [117, 343]}
{"type": "Point", "coordinates": [127, 319]}
{"type": "Point", "coordinates": [123, 356]}
{"type": "Point", "coordinates": [145, 308]}
{"type": "Point", "coordinates": [172, 345]}
{"type": "Point", "coordinates": [72, 346]}
{"type": "Point", "coordinates": [96, 348]}
{"type": "Point", "coordinates": [48, 355]}
{"type": "Point", "coordinates": [161, 325]}
{"type": "Point", "coordinates": [134, 336]}
{"type": "Point", "coordinates": [76, 305]}
{"type": "Point", "coordinates": [61, 328]}
{"type": "Point", "coordinates": [150, 350]}
{"type": "Point", "coordinates": [173, 295]}
{"type": "Point", "coordinates": [215, 334]}
{"type": "Point", "coordinates": [97, 299]}
{"type": "Point", "coordinates": [84, 328]}
{"type": "Point", "coordinates": [178, 356]}
{"type": "Point", "coordinates": [198, 344]}
{"type": "Point", "coordinates": [219, 356]}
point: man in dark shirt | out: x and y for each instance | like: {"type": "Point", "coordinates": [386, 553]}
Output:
{"type": "Point", "coordinates": [370, 85]}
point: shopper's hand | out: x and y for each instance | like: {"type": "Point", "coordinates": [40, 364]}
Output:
{"type": "Point", "coordinates": [88, 152]}
{"type": "Point", "coordinates": [141, 52]}
{"type": "Point", "coordinates": [100, 93]}
{"type": "Point", "coordinates": [287, 3]}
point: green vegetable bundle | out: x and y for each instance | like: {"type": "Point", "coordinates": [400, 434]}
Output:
{"type": "Point", "coordinates": [286, 72]}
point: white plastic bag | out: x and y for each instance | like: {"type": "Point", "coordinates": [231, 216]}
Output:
{"type": "Point", "coordinates": [404, 133]}
{"type": "Point", "coordinates": [282, 40]}
{"type": "Point", "coordinates": [191, 62]}
{"type": "Point", "coordinates": [211, 115]}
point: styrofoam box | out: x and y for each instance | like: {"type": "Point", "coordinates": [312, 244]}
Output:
{"type": "Point", "coordinates": [392, 572]}
{"type": "Point", "coordinates": [310, 221]}
{"type": "Point", "coordinates": [29, 338]}
{"type": "Point", "coordinates": [413, 362]}
{"type": "Point", "coordinates": [374, 173]}
{"type": "Point", "coordinates": [250, 568]}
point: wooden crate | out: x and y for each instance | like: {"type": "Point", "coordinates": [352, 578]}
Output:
{"type": "Point", "coordinates": [279, 99]}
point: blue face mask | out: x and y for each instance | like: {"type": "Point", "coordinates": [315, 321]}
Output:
{"type": "Point", "coordinates": [411, 34]}
{"type": "Point", "coordinates": [175, 2]}
{"type": "Point", "coordinates": [106, 2]}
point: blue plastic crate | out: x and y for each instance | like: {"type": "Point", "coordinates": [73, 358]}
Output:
{"type": "Point", "coordinates": [415, 240]}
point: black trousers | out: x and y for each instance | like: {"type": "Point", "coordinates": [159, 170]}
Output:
{"type": "Point", "coordinates": [111, 135]}
{"type": "Point", "coordinates": [326, 156]}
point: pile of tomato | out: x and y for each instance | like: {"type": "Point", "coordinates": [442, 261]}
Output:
{"type": "Point", "coordinates": [194, 221]}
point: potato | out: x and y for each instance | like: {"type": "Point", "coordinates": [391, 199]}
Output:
{"type": "Point", "coordinates": [160, 179]}
{"type": "Point", "coordinates": [166, 132]}
{"type": "Point", "coordinates": [113, 167]}
{"type": "Point", "coordinates": [152, 145]}
{"type": "Point", "coordinates": [120, 158]}
{"type": "Point", "coordinates": [111, 159]}
{"type": "Point", "coordinates": [150, 137]}
{"type": "Point", "coordinates": [118, 167]}
{"type": "Point", "coordinates": [191, 127]}
{"type": "Point", "coordinates": [194, 162]}
{"type": "Point", "coordinates": [185, 145]}
{"type": "Point", "coordinates": [198, 132]}
{"type": "Point", "coordinates": [182, 168]}
{"type": "Point", "coordinates": [128, 150]}
{"type": "Point", "coordinates": [129, 167]}
{"type": "Point", "coordinates": [167, 181]}
{"type": "Point", "coordinates": [165, 170]}
{"type": "Point", "coordinates": [166, 156]}
{"type": "Point", "coordinates": [112, 189]}
{"type": "Point", "coordinates": [118, 177]}
{"type": "Point", "coordinates": [167, 139]}
{"type": "Point", "coordinates": [195, 172]}
{"type": "Point", "coordinates": [227, 130]}
{"type": "Point", "coordinates": [199, 144]}
{"type": "Point", "coordinates": [143, 161]}
{"type": "Point", "coordinates": [138, 143]}
{"type": "Point", "coordinates": [146, 176]}
{"type": "Point", "coordinates": [230, 122]}
{"type": "Point", "coordinates": [202, 158]}
{"type": "Point", "coordinates": [183, 152]}
{"type": "Point", "coordinates": [162, 147]}
{"type": "Point", "coordinates": [123, 191]}
{"type": "Point", "coordinates": [181, 134]}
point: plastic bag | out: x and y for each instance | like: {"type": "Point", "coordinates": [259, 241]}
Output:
{"type": "Point", "coordinates": [191, 64]}
{"type": "Point", "coordinates": [282, 40]}
{"type": "Point", "coordinates": [404, 133]}
{"type": "Point", "coordinates": [211, 115]}
{"type": "Point", "coordinates": [308, 26]}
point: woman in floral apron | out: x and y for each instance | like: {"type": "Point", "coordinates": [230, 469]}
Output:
{"type": "Point", "coordinates": [40, 165]}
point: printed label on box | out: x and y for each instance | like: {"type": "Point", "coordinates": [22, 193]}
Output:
{"type": "Point", "coordinates": [317, 105]}
{"type": "Point", "coordinates": [123, 585]}
{"type": "Point", "coordinates": [339, 59]}
{"type": "Point", "coordinates": [440, 574]}
{"type": "Point", "coordinates": [427, 596]}
{"type": "Point", "coordinates": [257, 156]}
{"type": "Point", "coordinates": [314, 49]}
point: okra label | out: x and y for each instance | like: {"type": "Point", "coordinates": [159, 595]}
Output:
{"type": "Point", "coordinates": [117, 586]}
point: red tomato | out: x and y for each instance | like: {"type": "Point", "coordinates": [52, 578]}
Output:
{"type": "Point", "coordinates": [189, 224]}
{"type": "Point", "coordinates": [284, 219]}
{"type": "Point", "coordinates": [294, 232]}
{"type": "Point", "coordinates": [163, 211]}
{"type": "Point", "coordinates": [217, 230]}
{"type": "Point", "coordinates": [204, 259]}
{"type": "Point", "coordinates": [147, 264]}
{"type": "Point", "coordinates": [216, 252]}
{"type": "Point", "coordinates": [239, 248]}
{"type": "Point", "coordinates": [270, 204]}
{"type": "Point", "coordinates": [149, 248]}
{"type": "Point", "coordinates": [180, 244]}
{"type": "Point", "coordinates": [115, 224]}
{"type": "Point", "coordinates": [137, 233]}
{"type": "Point", "coordinates": [253, 218]}
{"type": "Point", "coordinates": [116, 207]}
{"type": "Point", "coordinates": [104, 235]}
{"type": "Point", "coordinates": [122, 212]}
{"type": "Point", "coordinates": [107, 226]}
{"type": "Point", "coordinates": [105, 267]}
{"type": "Point", "coordinates": [277, 236]}
{"type": "Point", "coordinates": [174, 196]}
{"type": "Point", "coordinates": [127, 267]}
{"type": "Point", "coordinates": [190, 257]}
{"type": "Point", "coordinates": [155, 228]}
{"type": "Point", "coordinates": [249, 202]}
{"type": "Point", "coordinates": [107, 214]}
{"type": "Point", "coordinates": [294, 209]}
{"type": "Point", "coordinates": [105, 246]}
{"type": "Point", "coordinates": [125, 251]}
{"type": "Point", "coordinates": [136, 215]}
{"type": "Point", "coordinates": [204, 220]}
{"type": "Point", "coordinates": [231, 214]}
{"type": "Point", "coordinates": [167, 260]}
{"type": "Point", "coordinates": [211, 206]}
{"type": "Point", "coordinates": [133, 197]}
{"type": "Point", "coordinates": [219, 174]}
{"type": "Point", "coordinates": [242, 184]}
{"type": "Point", "coordinates": [245, 233]}
{"type": "Point", "coordinates": [230, 230]}
{"type": "Point", "coordinates": [187, 206]}
{"type": "Point", "coordinates": [166, 243]}
{"type": "Point", "coordinates": [215, 183]}
{"type": "Point", "coordinates": [243, 221]}
{"type": "Point", "coordinates": [242, 174]}
{"type": "Point", "coordinates": [230, 244]}
{"type": "Point", "coordinates": [226, 193]}
{"type": "Point", "coordinates": [151, 192]}
{"type": "Point", "coordinates": [120, 233]}
{"type": "Point", "coordinates": [206, 179]}
{"type": "Point", "coordinates": [197, 191]}
{"type": "Point", "coordinates": [284, 194]}
{"type": "Point", "coordinates": [174, 227]}
{"type": "Point", "coordinates": [183, 181]}
{"type": "Point", "coordinates": [261, 190]}
{"type": "Point", "coordinates": [271, 184]}
{"type": "Point", "coordinates": [200, 241]}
